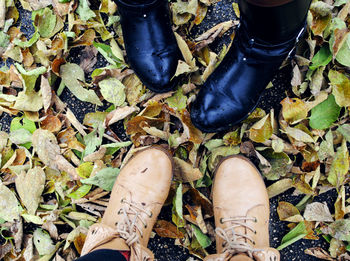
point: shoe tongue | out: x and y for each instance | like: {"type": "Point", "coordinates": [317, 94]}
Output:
{"type": "Point", "coordinates": [241, 257]}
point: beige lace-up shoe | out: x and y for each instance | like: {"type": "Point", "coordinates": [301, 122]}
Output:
{"type": "Point", "coordinates": [136, 200]}
{"type": "Point", "coordinates": [241, 211]}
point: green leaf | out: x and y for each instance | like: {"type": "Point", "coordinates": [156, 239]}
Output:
{"type": "Point", "coordinates": [92, 141]}
{"type": "Point", "coordinates": [4, 40]}
{"type": "Point", "coordinates": [72, 75]}
{"type": "Point", "coordinates": [84, 10]}
{"type": "Point", "coordinates": [45, 21]}
{"type": "Point", "coordinates": [280, 164]}
{"type": "Point", "coordinates": [29, 43]}
{"type": "Point", "coordinates": [340, 2]}
{"type": "Point", "coordinates": [178, 101]}
{"type": "Point", "coordinates": [293, 236]}
{"type": "Point", "coordinates": [43, 242]}
{"type": "Point", "coordinates": [340, 166]}
{"type": "Point", "coordinates": [324, 114]}
{"type": "Point", "coordinates": [84, 170]}
{"type": "Point", "coordinates": [26, 124]}
{"type": "Point", "coordinates": [113, 91]}
{"type": "Point", "coordinates": [343, 56]}
{"type": "Point", "coordinates": [9, 209]}
{"type": "Point", "coordinates": [107, 53]}
{"type": "Point", "coordinates": [345, 131]}
{"type": "Point", "coordinates": [80, 192]}
{"type": "Point", "coordinates": [178, 201]}
{"type": "Point", "coordinates": [104, 179]}
{"type": "Point", "coordinates": [321, 58]}
{"type": "Point", "coordinates": [219, 153]}
{"type": "Point", "coordinates": [203, 239]}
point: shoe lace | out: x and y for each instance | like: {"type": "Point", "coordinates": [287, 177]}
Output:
{"type": "Point", "coordinates": [235, 242]}
{"type": "Point", "coordinates": [129, 227]}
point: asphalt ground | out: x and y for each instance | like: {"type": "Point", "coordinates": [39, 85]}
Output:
{"type": "Point", "coordinates": [164, 249]}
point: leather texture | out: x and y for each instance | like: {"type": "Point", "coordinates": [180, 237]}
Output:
{"type": "Point", "coordinates": [150, 43]}
{"type": "Point", "coordinates": [233, 90]}
{"type": "Point", "coordinates": [234, 198]}
{"type": "Point", "coordinates": [144, 182]}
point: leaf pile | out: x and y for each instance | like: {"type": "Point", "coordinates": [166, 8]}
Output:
{"type": "Point", "coordinates": [56, 172]}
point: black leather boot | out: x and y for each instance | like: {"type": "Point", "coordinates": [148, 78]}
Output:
{"type": "Point", "coordinates": [150, 43]}
{"type": "Point", "coordinates": [265, 38]}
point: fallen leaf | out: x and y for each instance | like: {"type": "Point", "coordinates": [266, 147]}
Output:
{"type": "Point", "coordinates": [9, 209]}
{"type": "Point", "coordinates": [164, 228]}
{"type": "Point", "coordinates": [294, 110]}
{"type": "Point", "coordinates": [279, 187]}
{"type": "Point", "coordinates": [287, 212]}
{"type": "Point", "coordinates": [185, 171]}
{"type": "Point", "coordinates": [317, 211]}
{"type": "Point", "coordinates": [324, 114]}
{"type": "Point", "coordinates": [341, 88]}
{"type": "Point", "coordinates": [30, 186]}
{"type": "Point", "coordinates": [340, 166]}
{"type": "Point", "coordinates": [45, 145]}
{"type": "Point", "coordinates": [43, 242]}
{"type": "Point", "coordinates": [104, 179]}
{"type": "Point", "coordinates": [113, 91]}
{"type": "Point", "coordinates": [72, 76]}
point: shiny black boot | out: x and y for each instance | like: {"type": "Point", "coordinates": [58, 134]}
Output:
{"type": "Point", "coordinates": [150, 43]}
{"type": "Point", "coordinates": [265, 38]}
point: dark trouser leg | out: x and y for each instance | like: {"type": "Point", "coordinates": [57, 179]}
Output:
{"type": "Point", "coordinates": [273, 22]}
{"type": "Point", "coordinates": [103, 255]}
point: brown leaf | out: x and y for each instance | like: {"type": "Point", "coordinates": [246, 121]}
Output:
{"type": "Point", "coordinates": [88, 58]}
{"type": "Point", "coordinates": [199, 199]}
{"type": "Point", "coordinates": [79, 242]}
{"type": "Point", "coordinates": [185, 171]}
{"type": "Point", "coordinates": [119, 114]}
{"type": "Point", "coordinates": [340, 36]}
{"type": "Point", "coordinates": [51, 123]}
{"type": "Point", "coordinates": [166, 229]}
{"type": "Point", "coordinates": [287, 212]}
{"type": "Point", "coordinates": [319, 253]}
{"type": "Point", "coordinates": [46, 92]}
{"type": "Point", "coordinates": [86, 39]}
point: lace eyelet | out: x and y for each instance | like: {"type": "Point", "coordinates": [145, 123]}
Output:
{"type": "Point", "coordinates": [151, 215]}
{"type": "Point", "coordinates": [145, 226]}
{"type": "Point", "coordinates": [255, 232]}
{"type": "Point", "coordinates": [256, 220]}
{"type": "Point", "coordinates": [122, 200]}
{"type": "Point", "coordinates": [221, 221]}
{"type": "Point", "coordinates": [254, 243]}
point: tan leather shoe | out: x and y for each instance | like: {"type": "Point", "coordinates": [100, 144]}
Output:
{"type": "Point", "coordinates": [241, 211]}
{"type": "Point", "coordinates": [136, 200]}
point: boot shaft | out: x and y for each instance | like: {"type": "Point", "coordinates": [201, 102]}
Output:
{"type": "Point", "coordinates": [272, 22]}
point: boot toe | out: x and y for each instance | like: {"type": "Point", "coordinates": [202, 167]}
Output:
{"type": "Point", "coordinates": [215, 112]}
{"type": "Point", "coordinates": [157, 71]}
